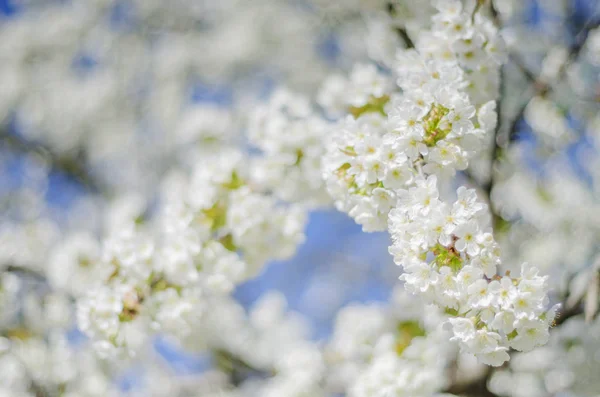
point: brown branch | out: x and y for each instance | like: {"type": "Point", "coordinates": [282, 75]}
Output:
{"type": "Point", "coordinates": [477, 388]}
{"type": "Point", "coordinates": [565, 314]}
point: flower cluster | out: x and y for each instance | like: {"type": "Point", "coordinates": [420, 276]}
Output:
{"type": "Point", "coordinates": [36, 349]}
{"type": "Point", "coordinates": [290, 137]}
{"type": "Point", "coordinates": [214, 231]}
{"type": "Point", "coordinates": [462, 34]}
{"type": "Point", "coordinates": [52, 364]}
{"type": "Point", "coordinates": [121, 97]}
{"type": "Point", "coordinates": [565, 365]}
{"type": "Point", "coordinates": [450, 258]}
{"type": "Point", "coordinates": [430, 128]}
{"type": "Point", "coordinates": [559, 230]}
{"type": "Point", "coordinates": [399, 350]}
{"type": "Point", "coordinates": [118, 89]}
{"type": "Point", "coordinates": [217, 214]}
{"type": "Point", "coordinates": [365, 89]}
{"type": "Point", "coordinates": [360, 171]}
{"type": "Point", "coordinates": [205, 126]}
{"type": "Point", "coordinates": [434, 120]}
{"type": "Point", "coordinates": [271, 341]}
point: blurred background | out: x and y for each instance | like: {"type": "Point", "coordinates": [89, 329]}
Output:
{"type": "Point", "coordinates": [100, 99]}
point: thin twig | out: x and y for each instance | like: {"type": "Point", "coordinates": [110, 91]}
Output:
{"type": "Point", "coordinates": [405, 38]}
{"type": "Point", "coordinates": [24, 271]}
{"type": "Point", "coordinates": [401, 31]}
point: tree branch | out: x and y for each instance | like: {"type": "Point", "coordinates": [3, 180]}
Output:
{"type": "Point", "coordinates": [401, 31]}
{"type": "Point", "coordinates": [477, 388]}
{"type": "Point", "coordinates": [24, 271]}
{"type": "Point", "coordinates": [566, 314]}
{"type": "Point", "coordinates": [405, 38]}
{"type": "Point", "coordinates": [72, 166]}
